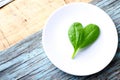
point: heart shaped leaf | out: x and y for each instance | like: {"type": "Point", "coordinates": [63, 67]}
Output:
{"type": "Point", "coordinates": [82, 37]}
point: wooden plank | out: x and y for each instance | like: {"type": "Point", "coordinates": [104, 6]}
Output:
{"type": "Point", "coordinates": [22, 18]}
{"type": "Point", "coordinates": [27, 60]}
{"type": "Point", "coordinates": [69, 1]}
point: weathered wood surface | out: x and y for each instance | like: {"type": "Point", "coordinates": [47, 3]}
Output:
{"type": "Point", "coordinates": [21, 18]}
{"type": "Point", "coordinates": [27, 61]}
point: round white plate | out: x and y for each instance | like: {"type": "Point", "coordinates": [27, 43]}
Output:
{"type": "Point", "coordinates": [59, 49]}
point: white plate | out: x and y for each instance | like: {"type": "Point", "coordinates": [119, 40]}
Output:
{"type": "Point", "coordinates": [59, 49]}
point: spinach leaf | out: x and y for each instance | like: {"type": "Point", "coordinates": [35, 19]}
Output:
{"type": "Point", "coordinates": [75, 34]}
{"type": "Point", "coordinates": [91, 33]}
{"type": "Point", "coordinates": [82, 37]}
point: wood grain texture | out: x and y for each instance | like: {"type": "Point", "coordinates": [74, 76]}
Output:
{"type": "Point", "coordinates": [27, 60]}
{"type": "Point", "coordinates": [25, 17]}
{"type": "Point", "coordinates": [69, 1]}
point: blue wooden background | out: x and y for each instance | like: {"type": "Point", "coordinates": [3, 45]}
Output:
{"type": "Point", "coordinates": [27, 61]}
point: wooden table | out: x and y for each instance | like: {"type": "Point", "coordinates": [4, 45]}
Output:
{"type": "Point", "coordinates": [26, 60]}
{"type": "Point", "coordinates": [22, 18]}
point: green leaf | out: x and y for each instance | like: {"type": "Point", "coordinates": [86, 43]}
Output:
{"type": "Point", "coordinates": [91, 33]}
{"type": "Point", "coordinates": [75, 34]}
{"type": "Point", "coordinates": [82, 37]}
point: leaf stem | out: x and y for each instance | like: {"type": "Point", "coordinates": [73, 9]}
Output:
{"type": "Point", "coordinates": [74, 54]}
